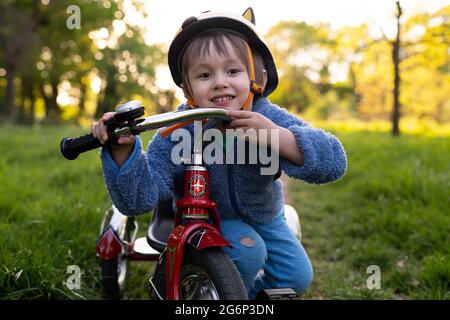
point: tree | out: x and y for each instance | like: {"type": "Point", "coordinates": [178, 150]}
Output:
{"type": "Point", "coordinates": [396, 62]}
{"type": "Point", "coordinates": [303, 54]}
{"type": "Point", "coordinates": [16, 32]}
{"type": "Point", "coordinates": [42, 51]}
{"type": "Point", "coordinates": [416, 60]}
{"type": "Point", "coordinates": [126, 65]}
{"type": "Point", "coordinates": [49, 58]}
{"type": "Point", "coordinates": [66, 53]}
{"type": "Point", "coordinates": [425, 66]}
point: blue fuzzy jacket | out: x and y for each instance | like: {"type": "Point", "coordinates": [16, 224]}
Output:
{"type": "Point", "coordinates": [240, 191]}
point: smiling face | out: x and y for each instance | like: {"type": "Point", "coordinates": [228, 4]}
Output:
{"type": "Point", "coordinates": [219, 79]}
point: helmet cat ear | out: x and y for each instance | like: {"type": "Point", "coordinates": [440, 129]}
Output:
{"type": "Point", "coordinates": [249, 15]}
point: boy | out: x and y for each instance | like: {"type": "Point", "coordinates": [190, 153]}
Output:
{"type": "Point", "coordinates": [220, 61]}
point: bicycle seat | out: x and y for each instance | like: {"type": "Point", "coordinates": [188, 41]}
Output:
{"type": "Point", "coordinates": [161, 225]}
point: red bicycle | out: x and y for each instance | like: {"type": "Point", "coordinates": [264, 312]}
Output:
{"type": "Point", "coordinates": [186, 244]}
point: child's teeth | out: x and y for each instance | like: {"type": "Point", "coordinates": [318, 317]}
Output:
{"type": "Point", "coordinates": [222, 99]}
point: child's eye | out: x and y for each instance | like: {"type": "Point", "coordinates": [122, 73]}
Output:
{"type": "Point", "coordinates": [234, 71]}
{"type": "Point", "coordinates": [204, 75]}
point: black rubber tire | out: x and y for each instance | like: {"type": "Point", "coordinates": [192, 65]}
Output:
{"type": "Point", "coordinates": [110, 279]}
{"type": "Point", "coordinates": [220, 270]}
{"type": "Point", "coordinates": [109, 270]}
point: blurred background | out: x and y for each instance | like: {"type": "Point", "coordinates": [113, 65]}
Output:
{"type": "Point", "coordinates": [74, 60]}
{"type": "Point", "coordinates": [374, 73]}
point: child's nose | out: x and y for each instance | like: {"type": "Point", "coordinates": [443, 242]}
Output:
{"type": "Point", "coordinates": [220, 82]}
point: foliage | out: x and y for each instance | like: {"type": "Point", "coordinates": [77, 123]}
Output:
{"type": "Point", "coordinates": [55, 73]}
{"type": "Point", "coordinates": [60, 66]}
{"type": "Point", "coordinates": [315, 61]}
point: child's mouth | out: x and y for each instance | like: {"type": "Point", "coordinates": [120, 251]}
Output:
{"type": "Point", "coordinates": [222, 100]}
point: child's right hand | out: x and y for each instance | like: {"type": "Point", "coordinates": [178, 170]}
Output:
{"type": "Point", "coordinates": [98, 130]}
{"type": "Point", "coordinates": [119, 152]}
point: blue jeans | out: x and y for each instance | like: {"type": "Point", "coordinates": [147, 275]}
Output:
{"type": "Point", "coordinates": [271, 247]}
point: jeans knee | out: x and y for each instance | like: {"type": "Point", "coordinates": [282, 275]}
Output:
{"type": "Point", "coordinates": [302, 278]}
{"type": "Point", "coordinates": [248, 251]}
{"type": "Point", "coordinates": [254, 250]}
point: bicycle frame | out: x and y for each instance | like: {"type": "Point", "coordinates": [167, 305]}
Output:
{"type": "Point", "coordinates": [191, 226]}
{"type": "Point", "coordinates": [116, 245]}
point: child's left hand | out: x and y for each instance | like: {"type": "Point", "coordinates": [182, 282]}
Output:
{"type": "Point", "coordinates": [250, 120]}
{"type": "Point", "coordinates": [287, 143]}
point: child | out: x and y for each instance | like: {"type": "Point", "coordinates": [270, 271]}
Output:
{"type": "Point", "coordinates": [220, 61]}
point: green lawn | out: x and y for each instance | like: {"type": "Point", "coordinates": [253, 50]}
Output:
{"type": "Point", "coordinates": [390, 210]}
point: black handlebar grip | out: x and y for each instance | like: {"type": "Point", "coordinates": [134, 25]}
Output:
{"type": "Point", "coordinates": [72, 147]}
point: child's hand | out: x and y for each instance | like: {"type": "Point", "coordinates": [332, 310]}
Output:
{"type": "Point", "coordinates": [245, 120]}
{"type": "Point", "coordinates": [98, 130]}
{"type": "Point", "coordinates": [287, 143]}
{"type": "Point", "coordinates": [249, 120]}
{"type": "Point", "coordinates": [121, 152]}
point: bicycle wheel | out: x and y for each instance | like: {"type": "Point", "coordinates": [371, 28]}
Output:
{"type": "Point", "coordinates": [210, 275]}
{"type": "Point", "coordinates": [114, 277]}
{"type": "Point", "coordinates": [115, 271]}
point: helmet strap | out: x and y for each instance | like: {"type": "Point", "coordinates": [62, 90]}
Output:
{"type": "Point", "coordinates": [255, 88]}
{"type": "Point", "coordinates": [191, 102]}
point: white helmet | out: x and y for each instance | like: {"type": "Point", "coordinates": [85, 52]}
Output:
{"type": "Point", "coordinates": [243, 25]}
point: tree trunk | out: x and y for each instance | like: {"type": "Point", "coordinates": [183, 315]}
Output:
{"type": "Point", "coordinates": [109, 98]}
{"type": "Point", "coordinates": [46, 102]}
{"type": "Point", "coordinates": [54, 105]}
{"type": "Point", "coordinates": [11, 111]}
{"type": "Point", "coordinates": [82, 110]}
{"type": "Point", "coordinates": [52, 111]}
{"type": "Point", "coordinates": [396, 61]}
{"type": "Point", "coordinates": [28, 94]}
{"type": "Point", "coordinates": [21, 118]}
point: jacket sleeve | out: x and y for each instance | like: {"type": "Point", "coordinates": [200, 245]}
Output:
{"type": "Point", "coordinates": [143, 180]}
{"type": "Point", "coordinates": [324, 156]}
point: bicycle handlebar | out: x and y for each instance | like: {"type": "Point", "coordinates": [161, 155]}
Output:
{"type": "Point", "coordinates": [72, 147]}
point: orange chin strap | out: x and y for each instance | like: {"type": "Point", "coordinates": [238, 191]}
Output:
{"type": "Point", "coordinates": [255, 88]}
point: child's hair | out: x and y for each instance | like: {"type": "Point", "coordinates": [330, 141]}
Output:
{"type": "Point", "coordinates": [200, 47]}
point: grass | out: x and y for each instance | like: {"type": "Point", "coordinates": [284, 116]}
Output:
{"type": "Point", "coordinates": [51, 211]}
{"type": "Point", "coordinates": [390, 210]}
